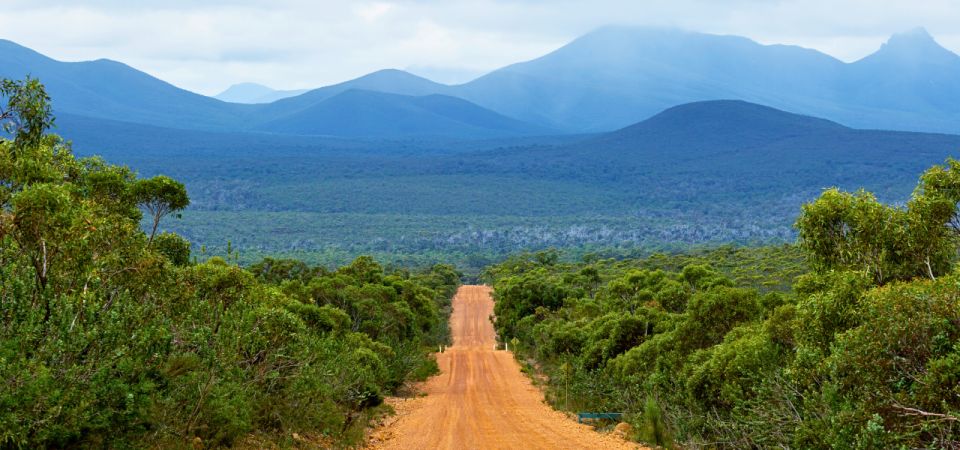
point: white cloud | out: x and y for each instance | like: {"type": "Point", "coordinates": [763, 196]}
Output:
{"type": "Point", "coordinates": [206, 46]}
{"type": "Point", "coordinates": [374, 11]}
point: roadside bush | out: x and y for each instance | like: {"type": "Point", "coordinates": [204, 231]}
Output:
{"type": "Point", "coordinates": [862, 352]}
{"type": "Point", "coordinates": [111, 339]}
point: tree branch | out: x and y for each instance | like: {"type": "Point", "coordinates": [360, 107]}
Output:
{"type": "Point", "coordinates": [920, 413]}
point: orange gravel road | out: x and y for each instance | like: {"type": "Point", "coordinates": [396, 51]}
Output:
{"type": "Point", "coordinates": [481, 400]}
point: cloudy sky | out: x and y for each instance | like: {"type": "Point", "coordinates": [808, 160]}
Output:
{"type": "Point", "coordinates": [206, 46]}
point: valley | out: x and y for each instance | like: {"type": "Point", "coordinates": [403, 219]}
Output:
{"type": "Point", "coordinates": [646, 138]}
{"type": "Point", "coordinates": [705, 173]}
{"type": "Point", "coordinates": [258, 231]}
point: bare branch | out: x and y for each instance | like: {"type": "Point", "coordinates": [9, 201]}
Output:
{"type": "Point", "coordinates": [920, 413]}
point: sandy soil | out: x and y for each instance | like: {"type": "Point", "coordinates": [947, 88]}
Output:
{"type": "Point", "coordinates": [481, 400]}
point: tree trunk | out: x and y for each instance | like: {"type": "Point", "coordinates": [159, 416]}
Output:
{"type": "Point", "coordinates": [156, 223]}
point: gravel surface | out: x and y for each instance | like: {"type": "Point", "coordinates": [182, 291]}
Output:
{"type": "Point", "coordinates": [481, 400]}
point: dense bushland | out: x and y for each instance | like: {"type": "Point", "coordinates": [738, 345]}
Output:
{"type": "Point", "coordinates": [705, 174]}
{"type": "Point", "coordinates": [862, 351]}
{"type": "Point", "coordinates": [112, 337]}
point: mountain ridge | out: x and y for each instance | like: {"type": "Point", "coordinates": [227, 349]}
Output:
{"type": "Point", "coordinates": [111, 90]}
{"type": "Point", "coordinates": [734, 146]}
{"type": "Point", "coordinates": [364, 113]}
{"type": "Point", "coordinates": [616, 76]}
{"type": "Point", "coordinates": [605, 80]}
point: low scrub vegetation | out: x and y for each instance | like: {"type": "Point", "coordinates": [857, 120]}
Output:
{"type": "Point", "coordinates": [113, 338]}
{"type": "Point", "coordinates": [851, 339]}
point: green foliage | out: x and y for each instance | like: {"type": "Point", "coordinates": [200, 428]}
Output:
{"type": "Point", "coordinates": [113, 339]}
{"type": "Point", "coordinates": [652, 427]}
{"type": "Point", "coordinates": [174, 247]}
{"type": "Point", "coordinates": [719, 350]}
{"type": "Point", "coordinates": [161, 196]}
{"type": "Point", "coordinates": [27, 114]}
{"type": "Point", "coordinates": [855, 232]}
{"type": "Point", "coordinates": [274, 271]}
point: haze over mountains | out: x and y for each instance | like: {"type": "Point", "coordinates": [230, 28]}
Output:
{"type": "Point", "coordinates": [255, 93]}
{"type": "Point", "coordinates": [371, 114]}
{"type": "Point", "coordinates": [605, 80]}
{"type": "Point", "coordinates": [616, 76]}
{"type": "Point", "coordinates": [626, 136]}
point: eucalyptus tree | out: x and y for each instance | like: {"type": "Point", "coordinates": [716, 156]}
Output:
{"type": "Point", "coordinates": [160, 196]}
{"type": "Point", "coordinates": [854, 231]}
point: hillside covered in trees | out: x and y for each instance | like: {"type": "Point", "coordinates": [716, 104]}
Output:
{"type": "Point", "coordinates": [706, 173]}
{"type": "Point", "coordinates": [626, 137]}
{"type": "Point", "coordinates": [849, 340]}
{"type": "Point", "coordinates": [111, 337]}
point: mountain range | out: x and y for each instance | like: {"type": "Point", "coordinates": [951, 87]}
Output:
{"type": "Point", "coordinates": [713, 171]}
{"type": "Point", "coordinates": [603, 81]}
{"type": "Point", "coordinates": [616, 76]}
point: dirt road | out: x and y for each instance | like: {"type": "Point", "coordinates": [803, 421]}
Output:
{"type": "Point", "coordinates": [481, 400]}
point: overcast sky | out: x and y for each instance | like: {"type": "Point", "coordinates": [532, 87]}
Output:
{"type": "Point", "coordinates": [206, 46]}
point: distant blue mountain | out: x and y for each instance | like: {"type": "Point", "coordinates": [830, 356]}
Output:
{"type": "Point", "coordinates": [106, 89]}
{"type": "Point", "coordinates": [605, 80]}
{"type": "Point", "coordinates": [620, 75]}
{"type": "Point", "coordinates": [724, 138]}
{"type": "Point", "coordinates": [111, 90]}
{"type": "Point", "coordinates": [361, 113]}
{"type": "Point", "coordinates": [253, 93]}
{"type": "Point", "coordinates": [716, 125]}
{"type": "Point", "coordinates": [913, 78]}
{"type": "Point", "coordinates": [732, 153]}
{"type": "Point", "coordinates": [616, 76]}
{"type": "Point", "coordinates": [388, 81]}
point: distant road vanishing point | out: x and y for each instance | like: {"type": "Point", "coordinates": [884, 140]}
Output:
{"type": "Point", "coordinates": [481, 400]}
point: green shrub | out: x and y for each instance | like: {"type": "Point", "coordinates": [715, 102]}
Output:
{"type": "Point", "coordinates": [109, 339]}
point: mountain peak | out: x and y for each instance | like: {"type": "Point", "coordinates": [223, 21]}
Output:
{"type": "Point", "coordinates": [246, 87]}
{"type": "Point", "coordinates": [254, 93]}
{"type": "Point", "coordinates": [623, 37]}
{"type": "Point", "coordinates": [916, 45]}
{"type": "Point", "coordinates": [916, 35]}
{"type": "Point", "coordinates": [635, 31]}
{"type": "Point", "coordinates": [248, 84]}
{"type": "Point", "coordinates": [912, 40]}
{"type": "Point", "coordinates": [392, 81]}
{"type": "Point", "coordinates": [244, 93]}
{"type": "Point", "coordinates": [393, 75]}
